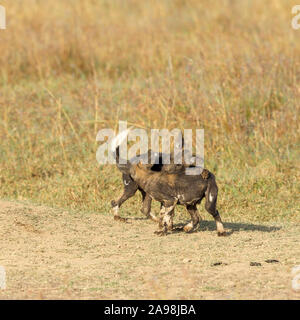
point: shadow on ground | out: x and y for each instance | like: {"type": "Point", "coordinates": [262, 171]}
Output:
{"type": "Point", "coordinates": [211, 226]}
{"type": "Point", "coordinates": [231, 227]}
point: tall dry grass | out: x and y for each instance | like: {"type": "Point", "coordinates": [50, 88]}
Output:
{"type": "Point", "coordinates": [72, 67]}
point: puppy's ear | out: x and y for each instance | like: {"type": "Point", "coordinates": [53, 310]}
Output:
{"type": "Point", "coordinates": [139, 165]}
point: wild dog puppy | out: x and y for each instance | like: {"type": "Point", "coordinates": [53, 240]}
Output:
{"type": "Point", "coordinates": [130, 186]}
{"type": "Point", "coordinates": [178, 188]}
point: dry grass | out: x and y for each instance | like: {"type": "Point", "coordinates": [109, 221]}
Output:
{"type": "Point", "coordinates": [70, 68]}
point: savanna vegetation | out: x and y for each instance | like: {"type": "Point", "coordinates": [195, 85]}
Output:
{"type": "Point", "coordinates": [69, 68]}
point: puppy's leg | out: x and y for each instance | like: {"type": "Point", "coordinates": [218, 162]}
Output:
{"type": "Point", "coordinates": [196, 218]}
{"type": "Point", "coordinates": [210, 206]}
{"type": "Point", "coordinates": [166, 218]}
{"type": "Point", "coordinates": [161, 230]}
{"type": "Point", "coordinates": [170, 221]}
{"type": "Point", "coordinates": [146, 207]}
{"type": "Point", "coordinates": [130, 188]}
{"type": "Point", "coordinates": [219, 223]}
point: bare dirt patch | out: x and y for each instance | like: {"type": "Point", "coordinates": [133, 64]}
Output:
{"type": "Point", "coordinates": [50, 253]}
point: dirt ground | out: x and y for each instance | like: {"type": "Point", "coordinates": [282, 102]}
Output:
{"type": "Point", "coordinates": [53, 254]}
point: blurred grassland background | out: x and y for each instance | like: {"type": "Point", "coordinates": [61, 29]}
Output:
{"type": "Point", "coordinates": [69, 68]}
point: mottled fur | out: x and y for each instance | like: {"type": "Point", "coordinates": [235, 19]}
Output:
{"type": "Point", "coordinates": [178, 188]}
{"type": "Point", "coordinates": [131, 187]}
{"type": "Point", "coordinates": [170, 185]}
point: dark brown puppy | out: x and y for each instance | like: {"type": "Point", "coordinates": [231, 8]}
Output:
{"type": "Point", "coordinates": [179, 188]}
{"type": "Point", "coordinates": [168, 184]}
{"type": "Point", "coordinates": [130, 186]}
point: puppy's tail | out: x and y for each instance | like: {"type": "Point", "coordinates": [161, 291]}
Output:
{"type": "Point", "coordinates": [123, 165]}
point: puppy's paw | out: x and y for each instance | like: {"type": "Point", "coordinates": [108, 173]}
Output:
{"type": "Point", "coordinates": [153, 217]}
{"type": "Point", "coordinates": [222, 234]}
{"type": "Point", "coordinates": [118, 218]}
{"type": "Point", "coordinates": [188, 228]}
{"type": "Point", "coordinates": [160, 233]}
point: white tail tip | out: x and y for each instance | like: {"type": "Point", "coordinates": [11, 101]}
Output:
{"type": "Point", "coordinates": [118, 139]}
